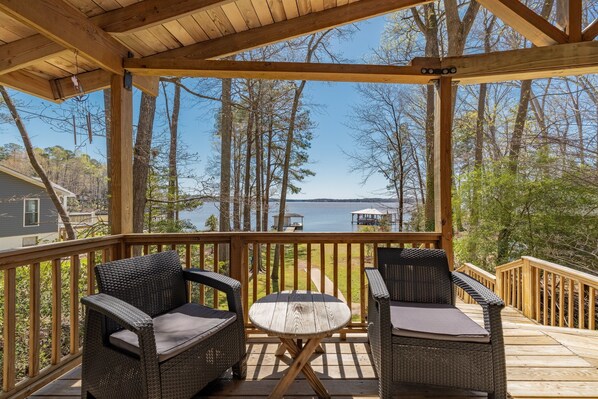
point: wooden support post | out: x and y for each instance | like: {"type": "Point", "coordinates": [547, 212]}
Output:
{"type": "Point", "coordinates": [121, 162]}
{"type": "Point", "coordinates": [574, 28]}
{"type": "Point", "coordinates": [529, 289]}
{"type": "Point", "coordinates": [443, 110]}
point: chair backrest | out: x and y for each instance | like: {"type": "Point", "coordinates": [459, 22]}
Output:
{"type": "Point", "coordinates": [416, 275]}
{"type": "Point", "coordinates": [152, 283]}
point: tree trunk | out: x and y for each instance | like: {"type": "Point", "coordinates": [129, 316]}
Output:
{"type": "Point", "coordinates": [107, 116]}
{"type": "Point", "coordinates": [247, 174]}
{"type": "Point", "coordinates": [70, 231]}
{"type": "Point", "coordinates": [141, 159]}
{"type": "Point", "coordinates": [237, 184]}
{"type": "Point", "coordinates": [518, 130]}
{"type": "Point", "coordinates": [172, 213]}
{"type": "Point", "coordinates": [225, 154]}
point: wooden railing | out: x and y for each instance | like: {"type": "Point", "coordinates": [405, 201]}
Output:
{"type": "Point", "coordinates": [42, 286]}
{"type": "Point", "coordinates": [328, 262]}
{"type": "Point", "coordinates": [551, 294]}
{"type": "Point", "coordinates": [42, 317]}
{"type": "Point", "coordinates": [488, 279]}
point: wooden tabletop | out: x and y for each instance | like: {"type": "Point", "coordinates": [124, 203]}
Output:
{"type": "Point", "coordinates": [299, 314]}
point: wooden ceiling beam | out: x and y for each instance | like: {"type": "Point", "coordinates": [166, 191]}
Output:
{"type": "Point", "coordinates": [574, 21]}
{"type": "Point", "coordinates": [591, 31]}
{"type": "Point", "coordinates": [531, 63]}
{"type": "Point", "coordinates": [525, 21]}
{"type": "Point", "coordinates": [148, 13]}
{"type": "Point", "coordinates": [67, 26]}
{"type": "Point", "coordinates": [280, 71]}
{"type": "Point", "coordinates": [22, 53]}
{"type": "Point", "coordinates": [29, 83]}
{"type": "Point", "coordinates": [289, 29]}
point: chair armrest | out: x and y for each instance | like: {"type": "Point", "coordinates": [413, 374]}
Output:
{"type": "Point", "coordinates": [119, 311]}
{"type": "Point", "coordinates": [479, 292]}
{"type": "Point", "coordinates": [491, 304]}
{"type": "Point", "coordinates": [230, 286]}
{"type": "Point", "coordinates": [377, 285]}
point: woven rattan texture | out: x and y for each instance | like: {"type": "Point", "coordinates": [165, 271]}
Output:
{"type": "Point", "coordinates": [108, 372]}
{"type": "Point", "coordinates": [414, 275]}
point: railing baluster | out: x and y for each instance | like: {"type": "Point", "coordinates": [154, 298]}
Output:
{"type": "Point", "coordinates": [592, 308]}
{"type": "Point", "coordinates": [9, 331]}
{"type": "Point", "coordinates": [216, 270]}
{"type": "Point", "coordinates": [268, 265]}
{"type": "Point", "coordinates": [561, 301]}
{"type": "Point", "coordinates": [537, 293]}
{"type": "Point", "coordinates": [581, 305]}
{"type": "Point", "coordinates": [74, 305]}
{"type": "Point", "coordinates": [362, 293]}
{"type": "Point", "coordinates": [571, 304]}
{"type": "Point", "coordinates": [308, 264]}
{"type": "Point", "coordinates": [322, 267]}
{"type": "Point", "coordinates": [188, 266]}
{"type": "Point", "coordinates": [91, 264]}
{"type": "Point", "coordinates": [335, 269]}
{"type": "Point", "coordinates": [349, 290]}
{"type": "Point", "coordinates": [202, 266]}
{"type": "Point", "coordinates": [56, 311]}
{"type": "Point", "coordinates": [545, 301]}
{"type": "Point", "coordinates": [295, 266]}
{"type": "Point", "coordinates": [34, 318]}
{"type": "Point", "coordinates": [553, 299]}
{"type": "Point", "coordinates": [281, 270]}
{"type": "Point", "coordinates": [256, 256]}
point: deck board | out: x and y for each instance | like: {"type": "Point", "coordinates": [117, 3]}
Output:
{"type": "Point", "coordinates": [542, 362]}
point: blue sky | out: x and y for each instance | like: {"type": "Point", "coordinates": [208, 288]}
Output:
{"type": "Point", "coordinates": [334, 100]}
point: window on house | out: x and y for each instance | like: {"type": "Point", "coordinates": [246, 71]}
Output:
{"type": "Point", "coordinates": [32, 212]}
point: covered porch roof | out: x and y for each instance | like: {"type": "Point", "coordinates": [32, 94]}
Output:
{"type": "Point", "coordinates": [44, 43]}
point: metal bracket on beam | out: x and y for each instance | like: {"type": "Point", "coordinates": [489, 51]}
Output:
{"type": "Point", "coordinates": [439, 71]}
{"type": "Point", "coordinates": [128, 80]}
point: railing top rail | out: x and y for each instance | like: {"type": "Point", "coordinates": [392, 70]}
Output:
{"type": "Point", "coordinates": [38, 253]}
{"type": "Point", "coordinates": [480, 271]}
{"type": "Point", "coordinates": [585, 278]}
{"type": "Point", "coordinates": [283, 237]}
{"type": "Point", "coordinates": [511, 265]}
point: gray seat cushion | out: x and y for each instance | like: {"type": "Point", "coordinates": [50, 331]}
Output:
{"type": "Point", "coordinates": [178, 330]}
{"type": "Point", "coordinates": [434, 321]}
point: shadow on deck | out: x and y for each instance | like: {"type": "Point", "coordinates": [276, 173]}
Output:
{"type": "Point", "coordinates": [542, 362]}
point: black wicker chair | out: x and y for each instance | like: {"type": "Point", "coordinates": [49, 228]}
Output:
{"type": "Point", "coordinates": [144, 340]}
{"type": "Point", "coordinates": [418, 336]}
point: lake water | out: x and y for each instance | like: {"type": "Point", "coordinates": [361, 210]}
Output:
{"type": "Point", "coordinates": [318, 216]}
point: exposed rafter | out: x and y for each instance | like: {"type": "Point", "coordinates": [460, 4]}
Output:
{"type": "Point", "coordinates": [591, 31]}
{"type": "Point", "coordinates": [525, 21]}
{"type": "Point", "coordinates": [531, 63]}
{"type": "Point", "coordinates": [28, 83]}
{"type": "Point", "coordinates": [24, 52]}
{"type": "Point", "coordinates": [280, 70]}
{"type": "Point", "coordinates": [150, 13]}
{"type": "Point", "coordinates": [574, 21]}
{"type": "Point", "coordinates": [289, 29]}
{"type": "Point", "coordinates": [67, 26]}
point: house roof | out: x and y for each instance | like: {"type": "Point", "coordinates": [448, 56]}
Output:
{"type": "Point", "coordinates": [290, 215]}
{"type": "Point", "coordinates": [368, 211]}
{"type": "Point", "coordinates": [36, 181]}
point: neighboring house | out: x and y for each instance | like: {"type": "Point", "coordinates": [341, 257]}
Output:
{"type": "Point", "coordinates": [27, 214]}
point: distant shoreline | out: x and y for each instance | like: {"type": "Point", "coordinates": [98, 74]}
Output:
{"type": "Point", "coordinates": [341, 200]}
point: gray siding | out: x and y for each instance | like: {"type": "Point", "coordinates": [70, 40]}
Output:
{"type": "Point", "coordinates": [13, 191]}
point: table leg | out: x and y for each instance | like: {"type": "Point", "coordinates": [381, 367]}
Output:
{"type": "Point", "coordinates": [299, 362]}
{"type": "Point", "coordinates": [309, 373]}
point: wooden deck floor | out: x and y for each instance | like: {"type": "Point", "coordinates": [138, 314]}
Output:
{"type": "Point", "coordinates": [542, 362]}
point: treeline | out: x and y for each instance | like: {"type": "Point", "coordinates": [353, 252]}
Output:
{"type": "Point", "coordinates": [525, 152]}
{"type": "Point", "coordinates": [75, 171]}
